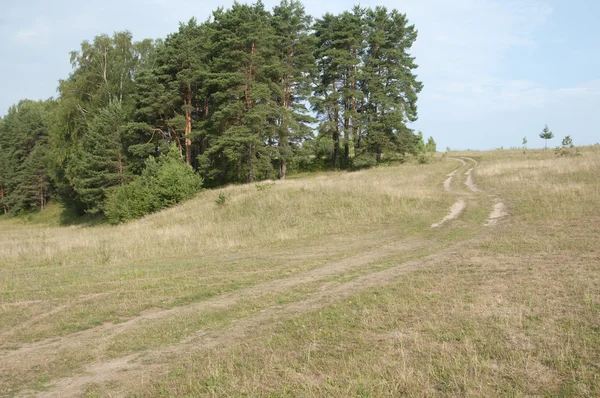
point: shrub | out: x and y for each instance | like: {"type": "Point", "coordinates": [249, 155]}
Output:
{"type": "Point", "coordinates": [567, 148]}
{"type": "Point", "coordinates": [364, 161]}
{"type": "Point", "coordinates": [128, 202]}
{"type": "Point", "coordinates": [165, 181]}
{"type": "Point", "coordinates": [222, 199]}
{"type": "Point", "coordinates": [170, 180]}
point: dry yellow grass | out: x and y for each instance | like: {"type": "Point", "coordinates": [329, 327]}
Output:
{"type": "Point", "coordinates": [333, 285]}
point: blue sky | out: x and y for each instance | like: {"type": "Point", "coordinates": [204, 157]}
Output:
{"type": "Point", "coordinates": [494, 70]}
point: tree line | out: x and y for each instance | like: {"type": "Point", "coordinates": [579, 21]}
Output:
{"type": "Point", "coordinates": [249, 94]}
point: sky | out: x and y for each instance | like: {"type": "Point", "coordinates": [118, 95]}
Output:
{"type": "Point", "coordinates": [494, 71]}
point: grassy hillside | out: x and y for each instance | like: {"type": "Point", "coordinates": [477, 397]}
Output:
{"type": "Point", "coordinates": [333, 284]}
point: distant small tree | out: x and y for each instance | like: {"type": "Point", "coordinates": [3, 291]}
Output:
{"type": "Point", "coordinates": [524, 142]}
{"type": "Point", "coordinates": [420, 148]}
{"type": "Point", "coordinates": [430, 146]}
{"type": "Point", "coordinates": [567, 148]}
{"type": "Point", "coordinates": [546, 135]}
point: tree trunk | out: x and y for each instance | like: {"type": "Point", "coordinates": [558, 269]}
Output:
{"type": "Point", "coordinates": [378, 153]}
{"type": "Point", "coordinates": [203, 138]}
{"type": "Point", "coordinates": [336, 132]}
{"type": "Point", "coordinates": [1, 196]}
{"type": "Point", "coordinates": [42, 196]}
{"type": "Point", "coordinates": [346, 133]}
{"type": "Point", "coordinates": [251, 164]}
{"type": "Point", "coordinates": [120, 160]}
{"type": "Point", "coordinates": [282, 169]}
{"type": "Point", "coordinates": [188, 125]}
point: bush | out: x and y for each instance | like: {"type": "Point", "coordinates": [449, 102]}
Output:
{"type": "Point", "coordinates": [127, 202]}
{"type": "Point", "coordinates": [364, 161]}
{"type": "Point", "coordinates": [165, 181]}
{"type": "Point", "coordinates": [567, 148]}
{"type": "Point", "coordinates": [222, 199]}
{"type": "Point", "coordinates": [422, 159]}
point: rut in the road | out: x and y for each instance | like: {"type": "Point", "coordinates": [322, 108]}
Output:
{"type": "Point", "coordinates": [124, 374]}
{"type": "Point", "coordinates": [498, 211]}
{"type": "Point", "coordinates": [469, 181]}
{"type": "Point", "coordinates": [98, 340]}
{"type": "Point", "coordinates": [127, 372]}
{"type": "Point", "coordinates": [455, 211]}
{"type": "Point", "coordinates": [452, 174]}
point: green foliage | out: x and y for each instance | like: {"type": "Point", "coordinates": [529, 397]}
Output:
{"type": "Point", "coordinates": [24, 180]}
{"type": "Point", "coordinates": [165, 181]}
{"type": "Point", "coordinates": [366, 90]}
{"type": "Point", "coordinates": [222, 199]}
{"type": "Point", "coordinates": [567, 142]}
{"type": "Point", "coordinates": [230, 93]}
{"type": "Point", "coordinates": [99, 163]}
{"type": "Point", "coordinates": [546, 135]}
{"type": "Point", "coordinates": [421, 149]}
{"type": "Point", "coordinates": [364, 161]}
{"type": "Point", "coordinates": [129, 202]}
{"type": "Point", "coordinates": [431, 146]}
{"type": "Point", "coordinates": [567, 148]}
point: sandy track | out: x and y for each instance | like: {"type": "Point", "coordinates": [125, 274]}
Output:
{"type": "Point", "coordinates": [451, 175]}
{"type": "Point", "coordinates": [469, 181]}
{"type": "Point", "coordinates": [455, 211]}
{"type": "Point", "coordinates": [97, 340]}
{"type": "Point", "coordinates": [128, 372]}
{"type": "Point", "coordinates": [498, 211]}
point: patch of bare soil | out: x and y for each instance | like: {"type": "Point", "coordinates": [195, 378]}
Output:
{"type": "Point", "coordinates": [455, 211]}
{"type": "Point", "coordinates": [452, 174]}
{"type": "Point", "coordinates": [498, 211]}
{"type": "Point", "coordinates": [469, 181]}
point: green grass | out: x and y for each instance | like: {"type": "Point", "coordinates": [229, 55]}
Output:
{"type": "Point", "coordinates": [331, 284]}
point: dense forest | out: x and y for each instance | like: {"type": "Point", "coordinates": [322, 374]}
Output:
{"type": "Point", "coordinates": [250, 94]}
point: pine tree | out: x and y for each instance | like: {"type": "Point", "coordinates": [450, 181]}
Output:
{"type": "Point", "coordinates": [23, 143]}
{"type": "Point", "coordinates": [546, 135]}
{"type": "Point", "coordinates": [246, 88]}
{"type": "Point", "coordinates": [104, 72]}
{"type": "Point", "coordinates": [327, 91]}
{"type": "Point", "coordinates": [100, 163]}
{"type": "Point", "coordinates": [33, 189]}
{"type": "Point", "coordinates": [296, 66]}
{"type": "Point", "coordinates": [430, 146]}
{"type": "Point", "coordinates": [390, 83]}
{"type": "Point", "coordinates": [367, 88]}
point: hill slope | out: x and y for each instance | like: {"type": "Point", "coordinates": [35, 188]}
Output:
{"type": "Point", "coordinates": [475, 275]}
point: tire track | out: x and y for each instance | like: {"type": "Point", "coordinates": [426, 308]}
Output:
{"type": "Point", "coordinates": [455, 211]}
{"type": "Point", "coordinates": [498, 212]}
{"type": "Point", "coordinates": [452, 174]}
{"type": "Point", "coordinates": [127, 371]}
{"type": "Point", "coordinates": [98, 340]}
{"type": "Point", "coordinates": [469, 181]}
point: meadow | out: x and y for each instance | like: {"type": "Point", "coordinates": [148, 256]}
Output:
{"type": "Point", "coordinates": [331, 284]}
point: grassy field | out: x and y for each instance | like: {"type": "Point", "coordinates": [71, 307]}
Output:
{"type": "Point", "coordinates": [330, 285]}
